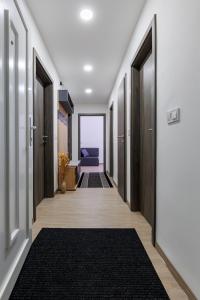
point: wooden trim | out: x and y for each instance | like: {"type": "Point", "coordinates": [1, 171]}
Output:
{"type": "Point", "coordinates": [70, 136]}
{"type": "Point", "coordinates": [134, 141]}
{"type": "Point", "coordinates": [104, 141]}
{"type": "Point", "coordinates": [79, 136]}
{"type": "Point", "coordinates": [154, 53]}
{"type": "Point", "coordinates": [111, 165]}
{"type": "Point", "coordinates": [46, 78]}
{"type": "Point", "coordinates": [176, 274]}
{"type": "Point", "coordinates": [115, 184]}
{"type": "Point", "coordinates": [40, 72]}
{"type": "Point", "coordinates": [49, 148]}
{"type": "Point", "coordinates": [79, 124]}
{"type": "Point", "coordinates": [111, 178]}
{"type": "Point", "coordinates": [124, 83]}
{"type": "Point", "coordinates": [129, 204]}
{"type": "Point", "coordinates": [147, 45]}
{"type": "Point", "coordinates": [125, 138]}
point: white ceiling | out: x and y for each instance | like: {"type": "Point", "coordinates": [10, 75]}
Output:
{"type": "Point", "coordinates": [73, 43]}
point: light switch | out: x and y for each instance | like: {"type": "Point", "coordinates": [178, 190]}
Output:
{"type": "Point", "coordinates": [173, 116]}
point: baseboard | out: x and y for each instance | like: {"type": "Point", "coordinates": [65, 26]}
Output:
{"type": "Point", "coordinates": [112, 179]}
{"type": "Point", "coordinates": [115, 184]}
{"type": "Point", "coordinates": [108, 173]}
{"type": "Point", "coordinates": [13, 273]}
{"type": "Point", "coordinates": [176, 274]}
{"type": "Point", "coordinates": [129, 205]}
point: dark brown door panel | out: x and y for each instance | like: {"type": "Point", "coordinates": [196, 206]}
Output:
{"type": "Point", "coordinates": [122, 140]}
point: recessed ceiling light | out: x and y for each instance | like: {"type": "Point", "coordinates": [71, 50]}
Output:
{"type": "Point", "coordinates": [88, 91]}
{"type": "Point", "coordinates": [86, 15]}
{"type": "Point", "coordinates": [88, 68]}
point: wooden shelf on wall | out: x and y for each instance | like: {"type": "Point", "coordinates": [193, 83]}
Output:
{"type": "Point", "coordinates": [66, 101]}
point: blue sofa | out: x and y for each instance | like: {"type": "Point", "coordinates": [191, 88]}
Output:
{"type": "Point", "coordinates": [89, 157]}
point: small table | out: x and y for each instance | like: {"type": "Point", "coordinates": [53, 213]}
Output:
{"type": "Point", "coordinates": [72, 175]}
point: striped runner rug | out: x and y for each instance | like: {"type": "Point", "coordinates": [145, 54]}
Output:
{"type": "Point", "coordinates": [95, 180]}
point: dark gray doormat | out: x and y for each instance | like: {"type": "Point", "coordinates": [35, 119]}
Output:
{"type": "Point", "coordinates": [88, 264]}
{"type": "Point", "coordinates": [95, 180]}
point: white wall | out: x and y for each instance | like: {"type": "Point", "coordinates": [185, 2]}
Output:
{"type": "Point", "coordinates": [84, 109]}
{"type": "Point", "coordinates": [92, 134]}
{"type": "Point", "coordinates": [178, 146]}
{"type": "Point", "coordinates": [36, 41]}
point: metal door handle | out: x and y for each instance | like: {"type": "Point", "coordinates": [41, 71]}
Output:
{"type": "Point", "coordinates": [150, 129]}
{"type": "Point", "coordinates": [32, 128]}
{"type": "Point", "coordinates": [45, 138]}
{"type": "Point", "coordinates": [121, 136]}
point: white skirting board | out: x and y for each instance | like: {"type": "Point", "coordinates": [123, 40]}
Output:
{"type": "Point", "coordinates": [13, 273]}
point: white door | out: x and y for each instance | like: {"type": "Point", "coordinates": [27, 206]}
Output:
{"type": "Point", "coordinates": [14, 210]}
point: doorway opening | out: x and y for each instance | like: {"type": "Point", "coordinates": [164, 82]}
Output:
{"type": "Point", "coordinates": [143, 129]}
{"type": "Point", "coordinates": [43, 144]}
{"type": "Point", "coordinates": [92, 142]}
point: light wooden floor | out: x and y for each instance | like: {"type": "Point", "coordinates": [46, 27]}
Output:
{"type": "Point", "coordinates": [92, 169]}
{"type": "Point", "coordinates": [102, 208]}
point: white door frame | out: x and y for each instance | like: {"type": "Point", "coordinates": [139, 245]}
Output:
{"type": "Point", "coordinates": [13, 252]}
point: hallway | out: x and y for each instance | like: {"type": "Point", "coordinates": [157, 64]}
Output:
{"type": "Point", "coordinates": [102, 208]}
{"type": "Point", "coordinates": [94, 92]}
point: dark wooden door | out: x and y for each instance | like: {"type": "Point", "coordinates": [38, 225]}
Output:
{"type": "Point", "coordinates": [70, 135]}
{"type": "Point", "coordinates": [146, 140]}
{"type": "Point", "coordinates": [39, 143]}
{"type": "Point", "coordinates": [121, 141]}
{"type": "Point", "coordinates": [111, 141]}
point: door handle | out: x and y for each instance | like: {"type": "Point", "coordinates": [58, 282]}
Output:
{"type": "Point", "coordinates": [32, 128]}
{"type": "Point", "coordinates": [121, 137]}
{"type": "Point", "coordinates": [45, 138]}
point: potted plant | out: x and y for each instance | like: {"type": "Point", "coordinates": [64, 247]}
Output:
{"type": "Point", "coordinates": [63, 163]}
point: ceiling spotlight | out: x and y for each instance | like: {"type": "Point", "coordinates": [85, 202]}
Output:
{"type": "Point", "coordinates": [88, 91]}
{"type": "Point", "coordinates": [88, 68]}
{"type": "Point", "coordinates": [86, 15]}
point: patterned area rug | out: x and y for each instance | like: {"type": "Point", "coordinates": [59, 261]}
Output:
{"type": "Point", "coordinates": [88, 264]}
{"type": "Point", "coordinates": [95, 180]}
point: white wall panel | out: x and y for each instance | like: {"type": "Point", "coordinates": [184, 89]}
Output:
{"type": "Point", "coordinates": [15, 236]}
